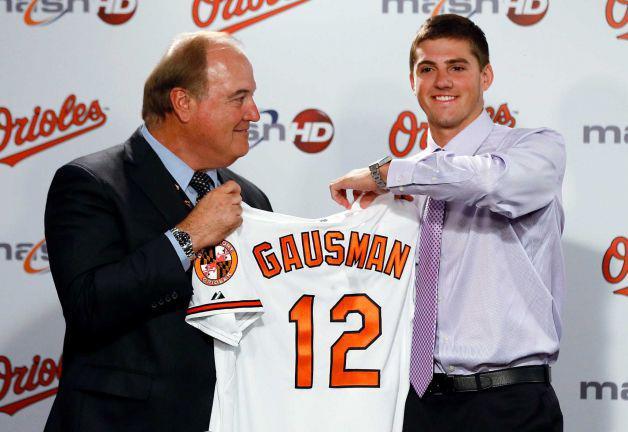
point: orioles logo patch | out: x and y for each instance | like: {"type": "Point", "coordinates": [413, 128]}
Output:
{"type": "Point", "coordinates": [216, 264]}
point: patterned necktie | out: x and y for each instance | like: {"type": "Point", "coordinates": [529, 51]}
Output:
{"type": "Point", "coordinates": [426, 300]}
{"type": "Point", "coordinates": [202, 183]}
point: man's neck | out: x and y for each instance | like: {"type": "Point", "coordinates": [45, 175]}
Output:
{"type": "Point", "coordinates": [442, 136]}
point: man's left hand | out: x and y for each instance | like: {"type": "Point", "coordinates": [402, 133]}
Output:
{"type": "Point", "coordinates": [362, 184]}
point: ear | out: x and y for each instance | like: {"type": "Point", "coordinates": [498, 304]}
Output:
{"type": "Point", "coordinates": [412, 82]}
{"type": "Point", "coordinates": [182, 104]}
{"type": "Point", "coordinates": [487, 77]}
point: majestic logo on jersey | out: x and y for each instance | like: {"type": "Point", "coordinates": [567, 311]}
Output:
{"type": "Point", "coordinates": [216, 264]}
{"type": "Point", "coordinates": [364, 251]}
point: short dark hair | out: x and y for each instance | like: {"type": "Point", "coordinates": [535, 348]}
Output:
{"type": "Point", "coordinates": [454, 27]}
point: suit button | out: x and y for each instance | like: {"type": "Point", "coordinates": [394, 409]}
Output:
{"type": "Point", "coordinates": [167, 298]}
{"type": "Point", "coordinates": [174, 295]}
{"type": "Point", "coordinates": [161, 302]}
{"type": "Point", "coordinates": [154, 305]}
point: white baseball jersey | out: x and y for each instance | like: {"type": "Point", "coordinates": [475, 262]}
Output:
{"type": "Point", "coordinates": [312, 320]}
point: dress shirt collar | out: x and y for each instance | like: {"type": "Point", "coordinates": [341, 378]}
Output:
{"type": "Point", "coordinates": [469, 139]}
{"type": "Point", "coordinates": [178, 169]}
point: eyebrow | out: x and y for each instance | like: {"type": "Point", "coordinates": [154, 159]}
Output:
{"type": "Point", "coordinates": [238, 93]}
{"type": "Point", "coordinates": [450, 61]}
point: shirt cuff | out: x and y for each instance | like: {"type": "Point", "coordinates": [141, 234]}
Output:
{"type": "Point", "coordinates": [185, 261]}
{"type": "Point", "coordinates": [400, 174]}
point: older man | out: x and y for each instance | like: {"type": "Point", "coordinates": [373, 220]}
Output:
{"type": "Point", "coordinates": [122, 226]}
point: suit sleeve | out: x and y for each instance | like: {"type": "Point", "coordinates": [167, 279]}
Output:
{"type": "Point", "coordinates": [104, 288]}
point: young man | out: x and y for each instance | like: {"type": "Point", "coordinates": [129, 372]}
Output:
{"type": "Point", "coordinates": [122, 226]}
{"type": "Point", "coordinates": [490, 272]}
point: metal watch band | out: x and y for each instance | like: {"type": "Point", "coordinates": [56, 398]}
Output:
{"type": "Point", "coordinates": [376, 174]}
{"type": "Point", "coordinates": [185, 241]}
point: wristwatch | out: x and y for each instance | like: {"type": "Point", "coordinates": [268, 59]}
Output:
{"type": "Point", "coordinates": [374, 168]}
{"type": "Point", "coordinates": [185, 241]}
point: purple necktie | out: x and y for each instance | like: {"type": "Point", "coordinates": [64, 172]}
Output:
{"type": "Point", "coordinates": [426, 300]}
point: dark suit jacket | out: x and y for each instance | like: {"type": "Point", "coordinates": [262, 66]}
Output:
{"type": "Point", "coordinates": [130, 362]}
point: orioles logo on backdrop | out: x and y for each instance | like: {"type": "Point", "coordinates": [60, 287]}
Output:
{"type": "Point", "coordinates": [23, 137]}
{"type": "Point", "coordinates": [32, 255]}
{"type": "Point", "coordinates": [615, 264]}
{"type": "Point", "coordinates": [520, 12]}
{"type": "Point", "coordinates": [216, 264]}
{"type": "Point", "coordinates": [246, 12]}
{"type": "Point", "coordinates": [45, 12]}
{"type": "Point", "coordinates": [617, 16]}
{"type": "Point", "coordinates": [407, 131]}
{"type": "Point", "coordinates": [22, 386]}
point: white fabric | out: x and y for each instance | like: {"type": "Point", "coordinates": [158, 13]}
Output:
{"type": "Point", "coordinates": [255, 350]}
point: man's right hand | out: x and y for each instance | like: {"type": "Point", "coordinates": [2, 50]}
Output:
{"type": "Point", "coordinates": [215, 216]}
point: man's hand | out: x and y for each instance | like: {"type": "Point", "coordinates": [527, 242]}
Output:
{"type": "Point", "coordinates": [359, 180]}
{"type": "Point", "coordinates": [362, 184]}
{"type": "Point", "coordinates": [215, 216]}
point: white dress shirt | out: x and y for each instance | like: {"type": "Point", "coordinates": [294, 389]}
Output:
{"type": "Point", "coordinates": [501, 280]}
{"type": "Point", "coordinates": [182, 174]}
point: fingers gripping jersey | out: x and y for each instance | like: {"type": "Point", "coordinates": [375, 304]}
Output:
{"type": "Point", "coordinates": [312, 320]}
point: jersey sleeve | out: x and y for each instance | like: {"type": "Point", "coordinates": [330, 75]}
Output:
{"type": "Point", "coordinates": [225, 301]}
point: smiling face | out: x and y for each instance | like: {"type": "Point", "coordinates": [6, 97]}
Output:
{"type": "Point", "coordinates": [449, 85]}
{"type": "Point", "coordinates": [219, 121]}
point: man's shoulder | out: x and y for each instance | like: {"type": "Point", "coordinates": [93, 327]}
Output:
{"type": "Point", "coordinates": [101, 161]}
{"type": "Point", "coordinates": [507, 137]}
{"type": "Point", "coordinates": [107, 164]}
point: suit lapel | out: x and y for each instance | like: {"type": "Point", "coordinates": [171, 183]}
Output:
{"type": "Point", "coordinates": [149, 173]}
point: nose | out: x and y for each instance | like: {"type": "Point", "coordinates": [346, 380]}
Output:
{"type": "Point", "coordinates": [443, 80]}
{"type": "Point", "coordinates": [251, 113]}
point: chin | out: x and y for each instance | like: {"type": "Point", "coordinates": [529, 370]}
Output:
{"type": "Point", "coordinates": [241, 152]}
{"type": "Point", "coordinates": [446, 122]}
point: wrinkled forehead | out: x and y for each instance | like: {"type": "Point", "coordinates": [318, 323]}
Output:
{"type": "Point", "coordinates": [229, 66]}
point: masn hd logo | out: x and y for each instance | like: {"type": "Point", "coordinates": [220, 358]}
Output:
{"type": "Point", "coordinates": [45, 12]}
{"type": "Point", "coordinates": [603, 390]}
{"type": "Point", "coordinates": [311, 131]}
{"type": "Point", "coordinates": [602, 134]}
{"type": "Point", "coordinates": [521, 12]}
{"type": "Point", "coordinates": [34, 256]}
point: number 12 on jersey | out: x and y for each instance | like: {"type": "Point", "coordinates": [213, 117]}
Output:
{"type": "Point", "coordinates": [302, 314]}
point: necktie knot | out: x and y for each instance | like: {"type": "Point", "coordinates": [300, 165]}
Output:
{"type": "Point", "coordinates": [202, 183]}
